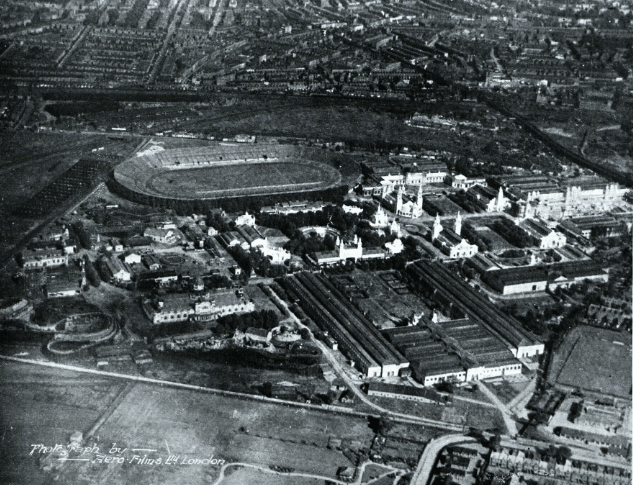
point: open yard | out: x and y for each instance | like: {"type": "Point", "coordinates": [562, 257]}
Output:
{"type": "Point", "coordinates": [389, 300]}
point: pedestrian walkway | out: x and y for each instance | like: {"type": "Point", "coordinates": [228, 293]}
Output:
{"type": "Point", "coordinates": [505, 412]}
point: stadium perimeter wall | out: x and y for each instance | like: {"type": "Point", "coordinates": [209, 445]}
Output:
{"type": "Point", "coordinates": [230, 203]}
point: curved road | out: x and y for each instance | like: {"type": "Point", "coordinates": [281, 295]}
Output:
{"type": "Point", "coordinates": [359, 477]}
{"type": "Point", "coordinates": [430, 454]}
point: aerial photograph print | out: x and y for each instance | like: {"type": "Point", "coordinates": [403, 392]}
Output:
{"type": "Point", "coordinates": [316, 242]}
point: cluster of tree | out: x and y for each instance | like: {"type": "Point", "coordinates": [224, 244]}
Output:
{"type": "Point", "coordinates": [330, 215]}
{"type": "Point", "coordinates": [266, 319]}
{"type": "Point", "coordinates": [575, 410]}
{"type": "Point", "coordinates": [216, 221]}
{"type": "Point", "coordinates": [469, 233]}
{"type": "Point", "coordinates": [470, 168]}
{"type": "Point", "coordinates": [309, 245]}
{"type": "Point", "coordinates": [217, 281]}
{"type": "Point", "coordinates": [512, 253]}
{"type": "Point", "coordinates": [381, 425]}
{"type": "Point", "coordinates": [372, 238]}
{"type": "Point", "coordinates": [561, 453]}
{"type": "Point", "coordinates": [514, 234]}
{"type": "Point", "coordinates": [461, 200]}
{"type": "Point", "coordinates": [101, 216]}
{"type": "Point", "coordinates": [254, 260]}
{"type": "Point", "coordinates": [82, 234]}
{"type": "Point", "coordinates": [91, 273]}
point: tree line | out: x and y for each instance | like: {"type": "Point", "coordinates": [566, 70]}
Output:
{"type": "Point", "coordinates": [266, 319]}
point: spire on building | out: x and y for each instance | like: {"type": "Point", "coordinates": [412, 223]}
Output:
{"type": "Point", "coordinates": [395, 228]}
{"type": "Point", "coordinates": [458, 224]}
{"type": "Point", "coordinates": [437, 227]}
{"type": "Point", "coordinates": [500, 200]}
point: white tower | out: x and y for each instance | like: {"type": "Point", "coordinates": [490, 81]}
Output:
{"type": "Point", "coordinates": [395, 228]}
{"type": "Point", "coordinates": [437, 228]}
{"type": "Point", "coordinates": [458, 224]}
{"type": "Point", "coordinates": [500, 200]}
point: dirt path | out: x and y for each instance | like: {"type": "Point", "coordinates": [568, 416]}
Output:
{"type": "Point", "coordinates": [505, 412]}
{"type": "Point", "coordinates": [358, 481]}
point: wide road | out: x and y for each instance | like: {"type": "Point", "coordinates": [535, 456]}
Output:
{"type": "Point", "coordinates": [431, 452]}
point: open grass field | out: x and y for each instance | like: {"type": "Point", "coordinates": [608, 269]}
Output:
{"type": "Point", "coordinates": [200, 425]}
{"type": "Point", "coordinates": [588, 358]}
{"type": "Point", "coordinates": [42, 405]}
{"type": "Point", "coordinates": [248, 475]}
{"type": "Point", "coordinates": [598, 365]}
{"type": "Point", "coordinates": [243, 179]}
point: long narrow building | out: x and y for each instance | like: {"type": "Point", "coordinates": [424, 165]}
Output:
{"type": "Point", "coordinates": [441, 282]}
{"type": "Point", "coordinates": [456, 350]}
{"type": "Point", "coordinates": [355, 334]}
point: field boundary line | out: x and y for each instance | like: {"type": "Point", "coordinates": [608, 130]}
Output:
{"type": "Point", "coordinates": [148, 380]}
{"type": "Point", "coordinates": [111, 408]}
{"type": "Point", "coordinates": [270, 400]}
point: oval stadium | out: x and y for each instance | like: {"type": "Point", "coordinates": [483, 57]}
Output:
{"type": "Point", "coordinates": [227, 171]}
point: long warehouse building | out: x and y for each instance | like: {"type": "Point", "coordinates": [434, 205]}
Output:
{"type": "Point", "coordinates": [457, 350]}
{"type": "Point", "coordinates": [447, 285]}
{"type": "Point", "coordinates": [356, 335]}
